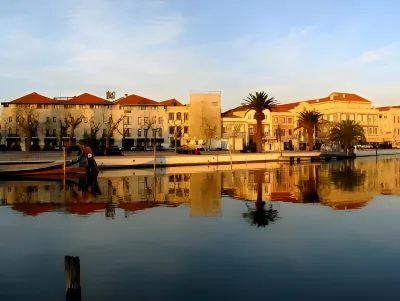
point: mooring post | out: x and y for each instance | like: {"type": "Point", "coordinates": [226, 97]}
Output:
{"type": "Point", "coordinates": [72, 278]}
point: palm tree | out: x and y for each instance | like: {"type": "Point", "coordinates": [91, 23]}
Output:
{"type": "Point", "coordinates": [347, 133]}
{"type": "Point", "coordinates": [309, 121]}
{"type": "Point", "coordinates": [259, 102]}
{"type": "Point", "coordinates": [260, 216]}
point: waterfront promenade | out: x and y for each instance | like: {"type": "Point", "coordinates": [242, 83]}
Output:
{"type": "Point", "coordinates": [163, 159]}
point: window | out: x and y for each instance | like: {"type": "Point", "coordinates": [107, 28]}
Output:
{"type": "Point", "coordinates": [39, 106]}
{"type": "Point", "coordinates": [145, 132]}
{"type": "Point", "coordinates": [9, 131]}
{"type": "Point", "coordinates": [343, 117]}
{"type": "Point", "coordinates": [143, 108]}
{"type": "Point", "coordinates": [290, 132]}
{"type": "Point", "coordinates": [160, 120]}
{"type": "Point", "coordinates": [10, 119]}
{"type": "Point", "coordinates": [360, 117]}
{"type": "Point", "coordinates": [283, 132]}
{"type": "Point", "coordinates": [394, 119]}
{"type": "Point", "coordinates": [47, 119]}
{"type": "Point", "coordinates": [160, 133]}
{"type": "Point", "coordinates": [186, 130]}
{"type": "Point", "coordinates": [186, 116]}
{"type": "Point", "coordinates": [128, 132]}
{"type": "Point", "coordinates": [171, 130]}
{"type": "Point", "coordinates": [46, 106]}
{"type": "Point", "coordinates": [178, 116]}
{"type": "Point", "coordinates": [275, 119]}
{"type": "Point", "coordinates": [128, 120]}
{"type": "Point", "coordinates": [290, 120]}
{"type": "Point", "coordinates": [47, 132]}
{"type": "Point", "coordinates": [171, 116]}
{"type": "Point", "coordinates": [146, 120]}
{"type": "Point", "coordinates": [370, 130]}
{"type": "Point", "coordinates": [331, 117]}
{"type": "Point", "coordinates": [251, 130]}
{"type": "Point", "coordinates": [54, 133]}
{"type": "Point", "coordinates": [139, 120]}
{"type": "Point", "coordinates": [139, 132]}
{"type": "Point", "coordinates": [351, 117]}
{"type": "Point", "coordinates": [54, 119]}
{"type": "Point", "coordinates": [375, 131]}
{"type": "Point", "coordinates": [154, 120]}
{"type": "Point", "coordinates": [283, 120]}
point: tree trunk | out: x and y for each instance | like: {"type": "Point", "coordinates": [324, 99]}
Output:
{"type": "Point", "coordinates": [258, 177]}
{"type": "Point", "coordinates": [259, 135]}
{"type": "Point", "coordinates": [71, 136]}
{"type": "Point", "coordinates": [28, 142]}
{"type": "Point", "coordinates": [310, 139]}
{"type": "Point", "coordinates": [108, 138]}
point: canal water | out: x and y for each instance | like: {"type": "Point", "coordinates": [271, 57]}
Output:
{"type": "Point", "coordinates": [326, 231]}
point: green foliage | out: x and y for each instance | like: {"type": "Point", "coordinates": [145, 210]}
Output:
{"type": "Point", "coordinates": [259, 101]}
{"type": "Point", "coordinates": [309, 119]}
{"type": "Point", "coordinates": [347, 133]}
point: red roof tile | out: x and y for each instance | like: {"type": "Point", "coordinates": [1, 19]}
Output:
{"type": "Point", "coordinates": [86, 99]}
{"type": "Point", "coordinates": [135, 100]}
{"type": "Point", "coordinates": [171, 103]}
{"type": "Point", "coordinates": [34, 98]}
{"type": "Point", "coordinates": [238, 112]}
{"type": "Point", "coordinates": [387, 108]}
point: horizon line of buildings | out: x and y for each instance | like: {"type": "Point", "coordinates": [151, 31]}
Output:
{"type": "Point", "coordinates": [193, 122]}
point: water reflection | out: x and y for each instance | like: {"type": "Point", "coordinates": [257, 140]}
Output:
{"type": "Point", "coordinates": [340, 185]}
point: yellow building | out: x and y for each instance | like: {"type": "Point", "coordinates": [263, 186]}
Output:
{"type": "Point", "coordinates": [141, 119]}
{"type": "Point", "coordinates": [380, 124]}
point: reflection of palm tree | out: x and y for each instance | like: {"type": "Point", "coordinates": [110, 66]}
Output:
{"type": "Point", "coordinates": [346, 177]}
{"type": "Point", "coordinates": [309, 192]}
{"type": "Point", "coordinates": [260, 216]}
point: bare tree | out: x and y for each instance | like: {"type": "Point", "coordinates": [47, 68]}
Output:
{"type": "Point", "coordinates": [124, 132]}
{"type": "Point", "coordinates": [146, 126]}
{"type": "Point", "coordinates": [112, 125]}
{"type": "Point", "coordinates": [209, 130]}
{"type": "Point", "coordinates": [236, 128]}
{"type": "Point", "coordinates": [27, 119]}
{"type": "Point", "coordinates": [73, 123]}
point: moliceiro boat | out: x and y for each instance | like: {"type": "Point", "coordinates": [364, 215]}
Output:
{"type": "Point", "coordinates": [85, 163]}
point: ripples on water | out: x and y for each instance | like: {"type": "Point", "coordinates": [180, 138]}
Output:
{"type": "Point", "coordinates": [301, 232]}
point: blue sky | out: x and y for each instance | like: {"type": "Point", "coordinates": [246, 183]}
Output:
{"type": "Point", "coordinates": [164, 49]}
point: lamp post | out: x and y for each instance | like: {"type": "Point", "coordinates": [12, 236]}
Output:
{"type": "Point", "coordinates": [176, 124]}
{"type": "Point", "coordinates": [155, 131]}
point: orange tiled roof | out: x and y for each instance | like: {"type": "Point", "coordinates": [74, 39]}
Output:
{"type": "Point", "coordinates": [86, 99]}
{"type": "Point", "coordinates": [334, 96]}
{"type": "Point", "coordinates": [387, 108]}
{"type": "Point", "coordinates": [238, 112]}
{"type": "Point", "coordinates": [171, 103]}
{"type": "Point", "coordinates": [135, 100]}
{"type": "Point", "coordinates": [34, 98]}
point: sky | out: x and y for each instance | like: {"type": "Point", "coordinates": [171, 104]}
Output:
{"type": "Point", "coordinates": [161, 49]}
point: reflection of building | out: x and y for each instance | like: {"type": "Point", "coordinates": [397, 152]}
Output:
{"type": "Point", "coordinates": [339, 185]}
{"type": "Point", "coordinates": [205, 194]}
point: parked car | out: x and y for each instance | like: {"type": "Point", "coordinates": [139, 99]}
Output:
{"type": "Point", "coordinates": [114, 151]}
{"type": "Point", "coordinates": [138, 148]}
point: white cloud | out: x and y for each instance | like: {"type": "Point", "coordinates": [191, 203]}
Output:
{"type": "Point", "coordinates": [138, 47]}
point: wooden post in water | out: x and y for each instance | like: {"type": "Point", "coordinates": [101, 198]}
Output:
{"type": "Point", "coordinates": [72, 278]}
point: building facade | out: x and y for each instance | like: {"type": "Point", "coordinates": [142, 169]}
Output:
{"type": "Point", "coordinates": [141, 121]}
{"type": "Point", "coordinates": [381, 125]}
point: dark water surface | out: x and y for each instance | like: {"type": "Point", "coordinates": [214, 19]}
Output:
{"type": "Point", "coordinates": [325, 232]}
